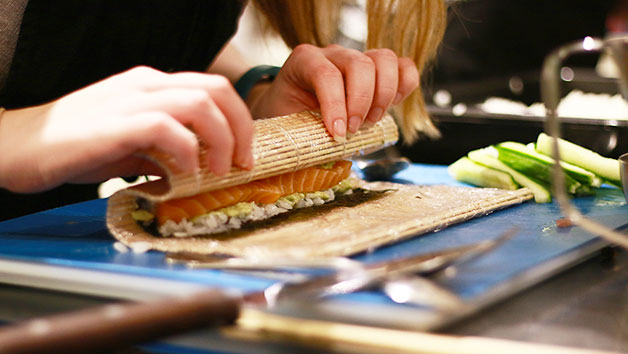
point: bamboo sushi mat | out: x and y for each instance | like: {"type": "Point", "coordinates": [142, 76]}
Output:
{"type": "Point", "coordinates": [289, 143]}
{"type": "Point", "coordinates": [281, 144]}
{"type": "Point", "coordinates": [401, 212]}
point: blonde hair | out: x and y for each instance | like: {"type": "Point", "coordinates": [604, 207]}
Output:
{"type": "Point", "coordinates": [411, 28]}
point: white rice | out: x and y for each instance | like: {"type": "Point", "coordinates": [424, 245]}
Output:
{"type": "Point", "coordinates": [217, 222]}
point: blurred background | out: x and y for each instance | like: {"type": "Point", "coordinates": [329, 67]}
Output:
{"type": "Point", "coordinates": [495, 49]}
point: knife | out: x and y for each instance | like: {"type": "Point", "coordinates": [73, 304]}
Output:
{"type": "Point", "coordinates": [120, 325]}
{"type": "Point", "coordinates": [107, 328]}
{"type": "Point", "coordinates": [353, 279]}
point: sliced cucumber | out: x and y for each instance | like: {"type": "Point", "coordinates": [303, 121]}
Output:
{"type": "Point", "coordinates": [465, 170]}
{"type": "Point", "coordinates": [488, 158]}
{"type": "Point", "coordinates": [581, 175]}
{"type": "Point", "coordinates": [584, 190]}
{"type": "Point", "coordinates": [516, 156]}
{"type": "Point", "coordinates": [614, 183]}
{"type": "Point", "coordinates": [602, 166]}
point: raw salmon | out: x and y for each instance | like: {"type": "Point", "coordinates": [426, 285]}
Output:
{"type": "Point", "coordinates": [264, 191]}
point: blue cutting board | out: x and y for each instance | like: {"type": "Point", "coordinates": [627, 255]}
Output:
{"type": "Point", "coordinates": [70, 249]}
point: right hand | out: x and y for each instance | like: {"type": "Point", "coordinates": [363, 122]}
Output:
{"type": "Point", "coordinates": [94, 133]}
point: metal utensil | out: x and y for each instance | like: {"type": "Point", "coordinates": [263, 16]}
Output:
{"type": "Point", "coordinates": [201, 261]}
{"type": "Point", "coordinates": [382, 169]}
{"type": "Point", "coordinates": [623, 172]}
{"type": "Point", "coordinates": [115, 326]}
{"type": "Point", "coordinates": [370, 275]}
{"type": "Point", "coordinates": [108, 328]}
{"type": "Point", "coordinates": [418, 290]}
{"type": "Point", "coordinates": [617, 46]}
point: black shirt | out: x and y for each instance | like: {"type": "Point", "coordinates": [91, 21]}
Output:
{"type": "Point", "coordinates": [65, 45]}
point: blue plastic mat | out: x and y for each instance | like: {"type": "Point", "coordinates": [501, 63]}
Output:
{"type": "Point", "coordinates": [75, 236]}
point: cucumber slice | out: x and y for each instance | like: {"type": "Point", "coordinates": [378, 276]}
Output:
{"type": "Point", "coordinates": [465, 170]}
{"type": "Point", "coordinates": [602, 166]}
{"type": "Point", "coordinates": [488, 158]}
{"type": "Point", "coordinates": [581, 175]}
{"type": "Point", "coordinates": [614, 183]}
{"type": "Point", "coordinates": [516, 156]}
{"type": "Point", "coordinates": [584, 190]}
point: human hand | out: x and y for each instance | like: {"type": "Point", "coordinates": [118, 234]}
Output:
{"type": "Point", "coordinates": [350, 88]}
{"type": "Point", "coordinates": [94, 133]}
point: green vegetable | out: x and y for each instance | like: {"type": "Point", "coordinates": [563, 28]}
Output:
{"type": "Point", "coordinates": [320, 194]}
{"type": "Point", "coordinates": [142, 215]}
{"type": "Point", "coordinates": [292, 198]}
{"type": "Point", "coordinates": [602, 166]}
{"type": "Point", "coordinates": [583, 176]}
{"type": "Point", "coordinates": [344, 186]}
{"type": "Point", "coordinates": [516, 156]}
{"type": "Point", "coordinates": [328, 165]}
{"type": "Point", "coordinates": [488, 158]}
{"type": "Point", "coordinates": [240, 209]}
{"type": "Point", "coordinates": [467, 171]}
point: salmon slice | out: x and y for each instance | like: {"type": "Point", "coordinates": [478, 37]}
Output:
{"type": "Point", "coordinates": [166, 211]}
{"type": "Point", "coordinates": [191, 206]}
{"type": "Point", "coordinates": [264, 191]}
{"type": "Point", "coordinates": [309, 179]}
{"type": "Point", "coordinates": [239, 194]}
{"type": "Point", "coordinates": [346, 169]}
{"type": "Point", "coordinates": [287, 183]}
{"type": "Point", "coordinates": [299, 179]}
{"type": "Point", "coordinates": [208, 200]}
{"type": "Point", "coordinates": [224, 197]}
{"type": "Point", "coordinates": [327, 181]}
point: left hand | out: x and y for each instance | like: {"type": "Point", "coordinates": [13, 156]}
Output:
{"type": "Point", "coordinates": [351, 88]}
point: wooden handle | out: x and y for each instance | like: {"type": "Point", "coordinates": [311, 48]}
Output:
{"type": "Point", "coordinates": [116, 326]}
{"type": "Point", "coordinates": [351, 338]}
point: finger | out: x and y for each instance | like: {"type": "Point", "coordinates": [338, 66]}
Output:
{"type": "Point", "coordinates": [195, 108]}
{"type": "Point", "coordinates": [140, 77]}
{"type": "Point", "coordinates": [408, 79]}
{"type": "Point", "coordinates": [127, 167]}
{"type": "Point", "coordinates": [358, 71]}
{"type": "Point", "coordinates": [161, 131]}
{"type": "Point", "coordinates": [239, 117]}
{"type": "Point", "coordinates": [386, 82]}
{"type": "Point", "coordinates": [223, 94]}
{"type": "Point", "coordinates": [326, 80]}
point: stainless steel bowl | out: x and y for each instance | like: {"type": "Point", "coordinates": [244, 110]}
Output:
{"type": "Point", "coordinates": [623, 171]}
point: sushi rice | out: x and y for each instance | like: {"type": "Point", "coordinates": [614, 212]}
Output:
{"type": "Point", "coordinates": [233, 217]}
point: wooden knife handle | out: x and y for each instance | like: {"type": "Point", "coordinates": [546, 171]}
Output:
{"type": "Point", "coordinates": [119, 325]}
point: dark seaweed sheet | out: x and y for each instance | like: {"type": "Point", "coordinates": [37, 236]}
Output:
{"type": "Point", "coordinates": [358, 196]}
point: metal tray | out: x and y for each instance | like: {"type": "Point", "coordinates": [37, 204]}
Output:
{"type": "Point", "coordinates": [475, 128]}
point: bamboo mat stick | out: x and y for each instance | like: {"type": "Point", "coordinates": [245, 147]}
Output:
{"type": "Point", "coordinates": [364, 339]}
{"type": "Point", "coordinates": [281, 144]}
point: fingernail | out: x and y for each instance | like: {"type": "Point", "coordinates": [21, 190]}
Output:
{"type": "Point", "coordinates": [354, 124]}
{"type": "Point", "coordinates": [250, 162]}
{"type": "Point", "coordinates": [375, 114]}
{"type": "Point", "coordinates": [240, 161]}
{"type": "Point", "coordinates": [192, 166]}
{"type": "Point", "coordinates": [367, 124]}
{"type": "Point", "coordinates": [397, 99]}
{"type": "Point", "coordinates": [221, 170]}
{"type": "Point", "coordinates": [245, 162]}
{"type": "Point", "coordinates": [340, 131]}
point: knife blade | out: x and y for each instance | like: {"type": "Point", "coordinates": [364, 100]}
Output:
{"type": "Point", "coordinates": [354, 279]}
{"type": "Point", "coordinates": [120, 325]}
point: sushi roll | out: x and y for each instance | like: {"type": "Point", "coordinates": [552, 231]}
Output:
{"type": "Point", "coordinates": [229, 208]}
